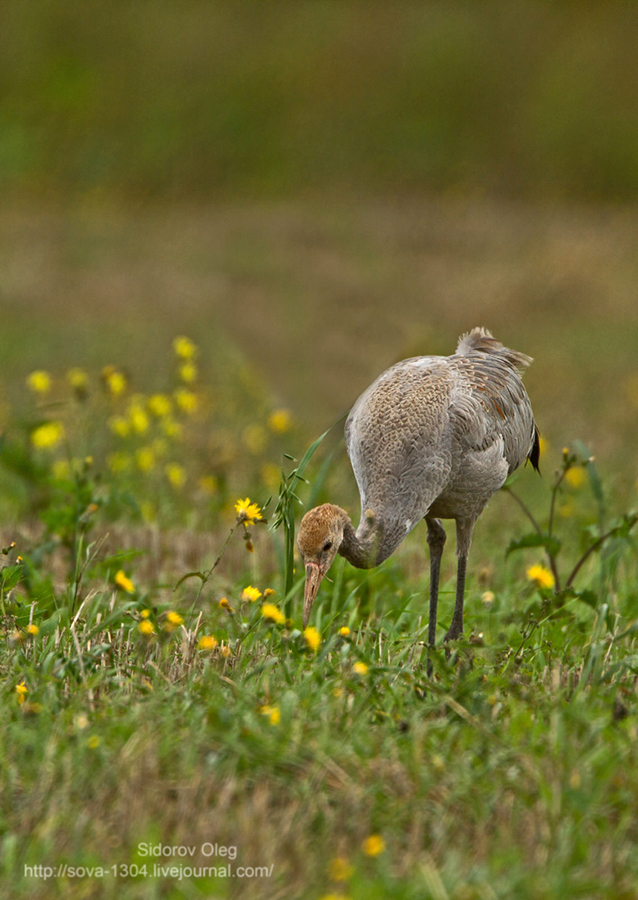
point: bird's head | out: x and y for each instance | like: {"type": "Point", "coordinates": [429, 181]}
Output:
{"type": "Point", "coordinates": [320, 536]}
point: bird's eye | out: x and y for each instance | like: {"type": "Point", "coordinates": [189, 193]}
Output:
{"type": "Point", "coordinates": [327, 546]}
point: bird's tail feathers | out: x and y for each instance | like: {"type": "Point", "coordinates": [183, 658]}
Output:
{"type": "Point", "coordinates": [480, 340]}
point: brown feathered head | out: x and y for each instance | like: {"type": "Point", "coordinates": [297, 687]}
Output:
{"type": "Point", "coordinates": [320, 536]}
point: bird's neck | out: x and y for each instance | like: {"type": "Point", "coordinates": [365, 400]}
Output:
{"type": "Point", "coordinates": [365, 547]}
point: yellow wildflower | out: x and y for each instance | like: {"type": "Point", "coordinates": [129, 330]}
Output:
{"type": "Point", "coordinates": [269, 593]}
{"type": "Point", "coordinates": [188, 372]}
{"type": "Point", "coordinates": [146, 628]}
{"type": "Point", "coordinates": [207, 642]}
{"type": "Point", "coordinates": [160, 405]}
{"type": "Point", "coordinates": [93, 742]}
{"type": "Point", "coordinates": [184, 347]}
{"type": "Point", "coordinates": [145, 459]}
{"type": "Point", "coordinates": [313, 638]}
{"type": "Point", "coordinates": [22, 691]}
{"type": "Point", "coordinates": [47, 436]}
{"type": "Point", "coordinates": [273, 713]}
{"type": "Point", "coordinates": [541, 576]}
{"type": "Point", "coordinates": [255, 439]}
{"type": "Point", "coordinates": [575, 476]}
{"type": "Point", "coordinates": [125, 583]}
{"type": "Point", "coordinates": [78, 379]}
{"type": "Point", "coordinates": [176, 474]}
{"type": "Point", "coordinates": [115, 381]}
{"type": "Point", "coordinates": [340, 869]}
{"type": "Point", "coordinates": [280, 421]}
{"type": "Point", "coordinates": [224, 604]}
{"type": "Point", "coordinates": [187, 401]}
{"type": "Point", "coordinates": [251, 594]}
{"type": "Point", "coordinates": [345, 631]}
{"type": "Point", "coordinates": [32, 629]}
{"type": "Point", "coordinates": [39, 382]}
{"type": "Point", "coordinates": [145, 614]}
{"type": "Point", "coordinates": [138, 418]}
{"type": "Point", "coordinates": [207, 484]}
{"type": "Point", "coordinates": [373, 845]}
{"type": "Point", "coordinates": [247, 512]}
{"type": "Point", "coordinates": [543, 446]}
{"type": "Point", "coordinates": [270, 611]}
{"type": "Point", "coordinates": [174, 618]}
{"type": "Point", "coordinates": [360, 668]}
{"type": "Point", "coordinates": [119, 426]}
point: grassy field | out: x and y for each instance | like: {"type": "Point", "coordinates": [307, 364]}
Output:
{"type": "Point", "coordinates": [146, 711]}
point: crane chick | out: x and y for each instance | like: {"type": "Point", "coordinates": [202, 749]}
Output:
{"type": "Point", "coordinates": [432, 438]}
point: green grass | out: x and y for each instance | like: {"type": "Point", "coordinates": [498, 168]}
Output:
{"type": "Point", "coordinates": [511, 774]}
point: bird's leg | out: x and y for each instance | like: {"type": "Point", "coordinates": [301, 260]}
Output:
{"type": "Point", "coordinates": [436, 542]}
{"type": "Point", "coordinates": [463, 539]}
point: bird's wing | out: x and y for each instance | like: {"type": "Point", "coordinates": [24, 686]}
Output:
{"type": "Point", "coordinates": [398, 442]}
{"type": "Point", "coordinates": [489, 401]}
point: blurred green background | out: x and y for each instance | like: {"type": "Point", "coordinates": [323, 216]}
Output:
{"type": "Point", "coordinates": [327, 187]}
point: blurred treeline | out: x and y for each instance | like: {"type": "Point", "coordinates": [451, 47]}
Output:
{"type": "Point", "coordinates": [198, 99]}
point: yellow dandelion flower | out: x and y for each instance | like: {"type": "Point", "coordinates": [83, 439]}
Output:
{"type": "Point", "coordinates": [93, 742]}
{"type": "Point", "coordinates": [541, 576]}
{"type": "Point", "coordinates": [224, 604]}
{"type": "Point", "coordinates": [78, 379]}
{"type": "Point", "coordinates": [373, 845]}
{"type": "Point", "coordinates": [280, 421]}
{"type": "Point", "coordinates": [247, 512]}
{"type": "Point", "coordinates": [32, 629]}
{"type": "Point", "coordinates": [345, 631]}
{"type": "Point", "coordinates": [160, 405]}
{"type": "Point", "coordinates": [39, 382]}
{"type": "Point", "coordinates": [146, 628]}
{"type": "Point", "coordinates": [145, 459]}
{"type": "Point", "coordinates": [138, 418]}
{"type": "Point", "coordinates": [176, 474]}
{"type": "Point", "coordinates": [118, 462]}
{"type": "Point", "coordinates": [122, 581]}
{"type": "Point", "coordinates": [543, 446]}
{"type": "Point", "coordinates": [273, 713]}
{"type": "Point", "coordinates": [22, 690]}
{"type": "Point", "coordinates": [47, 436]}
{"type": "Point", "coordinates": [207, 642]}
{"type": "Point", "coordinates": [360, 668]}
{"type": "Point", "coordinates": [119, 426]}
{"type": "Point", "coordinates": [184, 347]}
{"type": "Point", "coordinates": [255, 439]}
{"type": "Point", "coordinates": [188, 372]}
{"type": "Point", "coordinates": [270, 611]}
{"type": "Point", "coordinates": [575, 476]}
{"type": "Point", "coordinates": [186, 400]}
{"type": "Point", "coordinates": [174, 618]}
{"type": "Point", "coordinates": [145, 614]}
{"type": "Point", "coordinates": [207, 484]}
{"type": "Point", "coordinates": [312, 638]}
{"type": "Point", "coordinates": [340, 869]}
{"type": "Point", "coordinates": [250, 594]}
{"type": "Point", "coordinates": [269, 593]}
{"type": "Point", "coordinates": [114, 380]}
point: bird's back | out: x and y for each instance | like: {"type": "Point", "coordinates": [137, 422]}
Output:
{"type": "Point", "coordinates": [440, 434]}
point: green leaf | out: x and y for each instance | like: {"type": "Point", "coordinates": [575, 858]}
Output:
{"type": "Point", "coordinates": [551, 544]}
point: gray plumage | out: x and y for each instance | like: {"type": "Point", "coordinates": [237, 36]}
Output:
{"type": "Point", "coordinates": [432, 438]}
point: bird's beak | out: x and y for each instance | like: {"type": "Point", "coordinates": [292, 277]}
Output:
{"type": "Point", "coordinates": [313, 580]}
